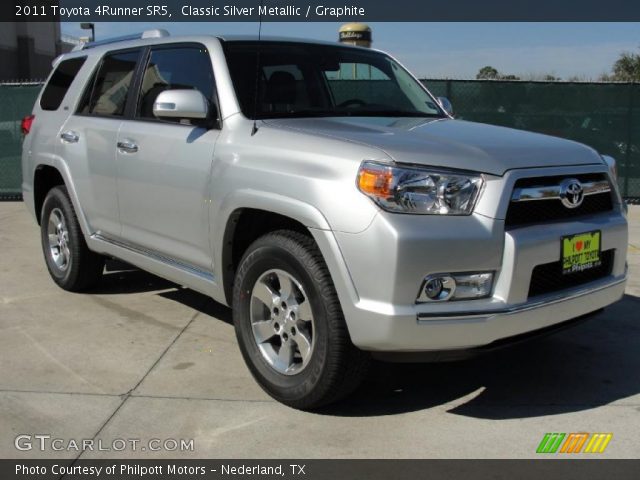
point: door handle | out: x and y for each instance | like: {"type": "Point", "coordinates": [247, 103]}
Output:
{"type": "Point", "coordinates": [127, 146]}
{"type": "Point", "coordinates": [70, 137]}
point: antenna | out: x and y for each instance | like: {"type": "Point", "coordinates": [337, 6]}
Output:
{"type": "Point", "coordinates": [257, 95]}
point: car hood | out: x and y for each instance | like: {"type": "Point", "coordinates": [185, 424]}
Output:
{"type": "Point", "coordinates": [448, 143]}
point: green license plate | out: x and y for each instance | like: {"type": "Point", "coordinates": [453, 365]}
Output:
{"type": "Point", "coordinates": [580, 252]}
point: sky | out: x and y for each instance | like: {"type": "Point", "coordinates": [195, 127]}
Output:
{"type": "Point", "coordinates": [449, 50]}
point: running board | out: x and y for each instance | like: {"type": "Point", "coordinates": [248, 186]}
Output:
{"type": "Point", "coordinates": [169, 268]}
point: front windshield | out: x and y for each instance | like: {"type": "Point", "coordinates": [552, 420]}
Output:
{"type": "Point", "coordinates": [311, 80]}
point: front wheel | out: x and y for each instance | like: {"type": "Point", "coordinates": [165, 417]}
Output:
{"type": "Point", "coordinates": [289, 323]}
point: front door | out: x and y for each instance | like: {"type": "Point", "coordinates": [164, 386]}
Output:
{"type": "Point", "coordinates": [164, 166]}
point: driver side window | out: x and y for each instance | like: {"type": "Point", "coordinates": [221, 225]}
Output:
{"type": "Point", "coordinates": [175, 68]}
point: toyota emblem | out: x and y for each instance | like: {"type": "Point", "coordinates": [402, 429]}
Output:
{"type": "Point", "coordinates": [571, 193]}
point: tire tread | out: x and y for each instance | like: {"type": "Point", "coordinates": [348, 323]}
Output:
{"type": "Point", "coordinates": [87, 266]}
{"type": "Point", "coordinates": [346, 365]}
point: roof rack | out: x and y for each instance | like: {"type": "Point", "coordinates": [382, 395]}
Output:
{"type": "Point", "coordinates": [155, 33]}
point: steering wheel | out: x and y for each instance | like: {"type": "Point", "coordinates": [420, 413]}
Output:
{"type": "Point", "coordinates": [352, 102]}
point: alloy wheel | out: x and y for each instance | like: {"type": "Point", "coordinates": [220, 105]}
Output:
{"type": "Point", "coordinates": [282, 322]}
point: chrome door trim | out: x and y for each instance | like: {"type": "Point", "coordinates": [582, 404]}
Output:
{"type": "Point", "coordinates": [70, 137]}
{"type": "Point", "coordinates": [153, 255]}
{"type": "Point", "coordinates": [127, 146]}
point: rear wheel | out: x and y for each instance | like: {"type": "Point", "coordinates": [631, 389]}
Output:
{"type": "Point", "coordinates": [69, 261]}
{"type": "Point", "coordinates": [289, 323]}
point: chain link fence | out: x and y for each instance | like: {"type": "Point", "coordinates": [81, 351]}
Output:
{"type": "Point", "coordinates": [605, 116]}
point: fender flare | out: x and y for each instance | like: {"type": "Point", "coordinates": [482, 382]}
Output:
{"type": "Point", "coordinates": [238, 200]}
{"type": "Point", "coordinates": [63, 169]}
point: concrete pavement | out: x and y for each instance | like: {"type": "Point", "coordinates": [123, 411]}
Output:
{"type": "Point", "coordinates": [141, 358]}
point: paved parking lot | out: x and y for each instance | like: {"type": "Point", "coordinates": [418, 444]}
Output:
{"type": "Point", "coordinates": [141, 358]}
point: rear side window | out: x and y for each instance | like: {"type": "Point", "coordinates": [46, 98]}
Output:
{"type": "Point", "coordinates": [109, 89]}
{"type": "Point", "coordinates": [60, 82]}
{"type": "Point", "coordinates": [172, 69]}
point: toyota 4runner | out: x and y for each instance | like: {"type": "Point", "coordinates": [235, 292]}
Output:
{"type": "Point", "coordinates": [324, 194]}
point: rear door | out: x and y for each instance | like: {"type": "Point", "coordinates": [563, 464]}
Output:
{"type": "Point", "coordinates": [164, 166]}
{"type": "Point", "coordinates": [88, 139]}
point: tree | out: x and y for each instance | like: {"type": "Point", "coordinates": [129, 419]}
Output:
{"type": "Point", "coordinates": [487, 73]}
{"type": "Point", "coordinates": [490, 73]}
{"type": "Point", "coordinates": [627, 68]}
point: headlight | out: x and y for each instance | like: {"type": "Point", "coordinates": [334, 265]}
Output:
{"type": "Point", "coordinates": [418, 190]}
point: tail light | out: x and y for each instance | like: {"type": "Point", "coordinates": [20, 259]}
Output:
{"type": "Point", "coordinates": [26, 123]}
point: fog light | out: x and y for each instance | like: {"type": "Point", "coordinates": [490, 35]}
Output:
{"type": "Point", "coordinates": [456, 286]}
{"type": "Point", "coordinates": [433, 288]}
{"type": "Point", "coordinates": [473, 285]}
{"type": "Point", "coordinates": [437, 288]}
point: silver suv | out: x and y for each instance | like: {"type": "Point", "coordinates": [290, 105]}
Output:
{"type": "Point", "coordinates": [323, 193]}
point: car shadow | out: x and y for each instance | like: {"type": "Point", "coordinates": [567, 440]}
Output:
{"type": "Point", "coordinates": [592, 364]}
{"type": "Point", "coordinates": [595, 363]}
{"type": "Point", "coordinates": [201, 303]}
{"type": "Point", "coordinates": [120, 278]}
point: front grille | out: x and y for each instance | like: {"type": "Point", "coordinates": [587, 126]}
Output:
{"type": "Point", "coordinates": [541, 211]}
{"type": "Point", "coordinates": [548, 278]}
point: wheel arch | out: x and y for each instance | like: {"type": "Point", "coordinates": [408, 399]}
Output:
{"type": "Point", "coordinates": [247, 215]}
{"type": "Point", "coordinates": [243, 227]}
{"type": "Point", "coordinates": [49, 175]}
{"type": "Point", "coordinates": [44, 179]}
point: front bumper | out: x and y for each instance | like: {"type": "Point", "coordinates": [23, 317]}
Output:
{"type": "Point", "coordinates": [429, 331]}
{"type": "Point", "coordinates": [386, 264]}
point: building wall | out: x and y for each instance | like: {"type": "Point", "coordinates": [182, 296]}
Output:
{"type": "Point", "coordinates": [27, 49]}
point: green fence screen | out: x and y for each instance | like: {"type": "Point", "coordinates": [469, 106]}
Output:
{"type": "Point", "coordinates": [16, 102]}
{"type": "Point", "coordinates": [605, 116]}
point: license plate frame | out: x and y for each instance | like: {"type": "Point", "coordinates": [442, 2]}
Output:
{"type": "Point", "coordinates": [580, 252]}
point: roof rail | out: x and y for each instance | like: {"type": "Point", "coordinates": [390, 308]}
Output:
{"type": "Point", "coordinates": [155, 33]}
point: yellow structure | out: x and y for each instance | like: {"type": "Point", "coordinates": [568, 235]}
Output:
{"type": "Point", "coordinates": [355, 34]}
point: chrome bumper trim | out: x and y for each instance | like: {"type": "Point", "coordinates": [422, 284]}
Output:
{"type": "Point", "coordinates": [523, 307]}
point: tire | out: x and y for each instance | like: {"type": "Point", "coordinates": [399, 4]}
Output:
{"type": "Point", "coordinates": [324, 366]}
{"type": "Point", "coordinates": [70, 262]}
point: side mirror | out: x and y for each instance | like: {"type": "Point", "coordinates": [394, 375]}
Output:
{"type": "Point", "coordinates": [190, 104]}
{"type": "Point", "coordinates": [446, 105]}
